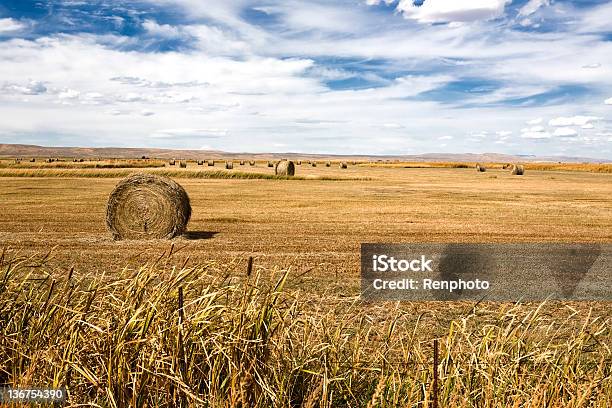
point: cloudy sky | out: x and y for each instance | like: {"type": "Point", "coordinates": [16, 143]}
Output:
{"type": "Point", "coordinates": [320, 76]}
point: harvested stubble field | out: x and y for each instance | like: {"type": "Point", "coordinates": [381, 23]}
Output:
{"type": "Point", "coordinates": [110, 327]}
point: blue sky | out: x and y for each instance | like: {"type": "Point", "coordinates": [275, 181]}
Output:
{"type": "Point", "coordinates": [342, 76]}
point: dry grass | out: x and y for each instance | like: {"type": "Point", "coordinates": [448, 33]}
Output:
{"type": "Point", "coordinates": [104, 164]}
{"type": "Point", "coordinates": [189, 174]}
{"type": "Point", "coordinates": [581, 167]}
{"type": "Point", "coordinates": [166, 335]}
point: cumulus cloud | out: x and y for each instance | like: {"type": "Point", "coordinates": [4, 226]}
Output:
{"type": "Point", "coordinates": [573, 120]}
{"type": "Point", "coordinates": [564, 132]}
{"type": "Point", "coordinates": [608, 101]}
{"type": "Point", "coordinates": [532, 6]}
{"type": "Point", "coordinates": [445, 11]}
{"type": "Point", "coordinates": [161, 30]}
{"type": "Point", "coordinates": [31, 88]}
{"type": "Point", "coordinates": [535, 132]}
{"type": "Point", "coordinates": [9, 25]}
{"type": "Point", "coordinates": [534, 121]}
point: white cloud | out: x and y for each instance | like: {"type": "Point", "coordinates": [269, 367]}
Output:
{"type": "Point", "coordinates": [535, 135]}
{"type": "Point", "coordinates": [533, 129]}
{"type": "Point", "coordinates": [161, 30]}
{"type": "Point", "coordinates": [594, 65]}
{"type": "Point", "coordinates": [31, 88]}
{"type": "Point", "coordinates": [532, 6]}
{"type": "Point", "coordinates": [534, 121]}
{"type": "Point", "coordinates": [573, 120]}
{"type": "Point", "coordinates": [9, 25]}
{"type": "Point", "coordinates": [608, 101]}
{"type": "Point", "coordinates": [68, 94]}
{"type": "Point", "coordinates": [503, 133]}
{"type": "Point", "coordinates": [564, 132]}
{"type": "Point", "coordinates": [437, 11]}
{"type": "Point", "coordinates": [587, 126]}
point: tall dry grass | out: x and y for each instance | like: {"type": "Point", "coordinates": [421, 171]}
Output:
{"type": "Point", "coordinates": [105, 164]}
{"type": "Point", "coordinates": [169, 335]}
{"type": "Point", "coordinates": [185, 174]}
{"type": "Point", "coordinates": [582, 167]}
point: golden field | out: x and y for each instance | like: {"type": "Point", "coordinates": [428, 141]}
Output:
{"type": "Point", "coordinates": [308, 341]}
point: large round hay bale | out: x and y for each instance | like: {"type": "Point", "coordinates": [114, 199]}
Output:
{"type": "Point", "coordinates": [146, 206]}
{"type": "Point", "coordinates": [284, 168]}
{"type": "Point", "coordinates": [517, 170]}
{"type": "Point", "coordinates": [229, 165]}
{"type": "Point", "coordinates": [211, 163]}
{"type": "Point", "coordinates": [480, 168]}
{"type": "Point", "coordinates": [343, 165]}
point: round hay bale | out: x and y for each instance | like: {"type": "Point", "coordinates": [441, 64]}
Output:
{"type": "Point", "coordinates": [284, 168]}
{"type": "Point", "coordinates": [328, 164]}
{"type": "Point", "coordinates": [517, 170]}
{"type": "Point", "coordinates": [314, 164]}
{"type": "Point", "coordinates": [200, 162]}
{"type": "Point", "coordinates": [229, 165]}
{"type": "Point", "coordinates": [172, 162]}
{"type": "Point", "coordinates": [343, 165]}
{"type": "Point", "coordinates": [146, 206]}
{"type": "Point", "coordinates": [183, 164]}
{"type": "Point", "coordinates": [299, 163]}
{"type": "Point", "coordinates": [242, 162]}
{"type": "Point", "coordinates": [252, 163]}
{"type": "Point", "coordinates": [270, 164]}
{"type": "Point", "coordinates": [211, 162]}
{"type": "Point", "coordinates": [480, 168]}
{"type": "Point", "coordinates": [32, 160]}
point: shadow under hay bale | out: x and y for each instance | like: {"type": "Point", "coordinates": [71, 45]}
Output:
{"type": "Point", "coordinates": [229, 165]}
{"type": "Point", "coordinates": [147, 206]}
{"type": "Point", "coordinates": [343, 165]}
{"type": "Point", "coordinates": [284, 168]}
{"type": "Point", "coordinates": [480, 168]}
{"type": "Point", "coordinates": [517, 170]}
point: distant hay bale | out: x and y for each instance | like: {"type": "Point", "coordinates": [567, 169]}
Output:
{"type": "Point", "coordinates": [32, 160]}
{"type": "Point", "coordinates": [314, 164]}
{"type": "Point", "coordinates": [183, 164]}
{"type": "Point", "coordinates": [328, 164]}
{"type": "Point", "coordinates": [284, 168]}
{"type": "Point", "coordinates": [480, 168]}
{"type": "Point", "coordinates": [252, 163]}
{"type": "Point", "coordinates": [343, 165]}
{"type": "Point", "coordinates": [270, 164]}
{"type": "Point", "coordinates": [242, 162]}
{"type": "Point", "coordinates": [200, 162]}
{"type": "Point", "coordinates": [172, 162]}
{"type": "Point", "coordinates": [517, 170]}
{"type": "Point", "coordinates": [211, 163]}
{"type": "Point", "coordinates": [81, 160]}
{"type": "Point", "coordinates": [229, 165]}
{"type": "Point", "coordinates": [299, 162]}
{"type": "Point", "coordinates": [147, 206]}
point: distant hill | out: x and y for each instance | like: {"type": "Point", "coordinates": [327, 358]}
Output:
{"type": "Point", "coordinates": [23, 150]}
